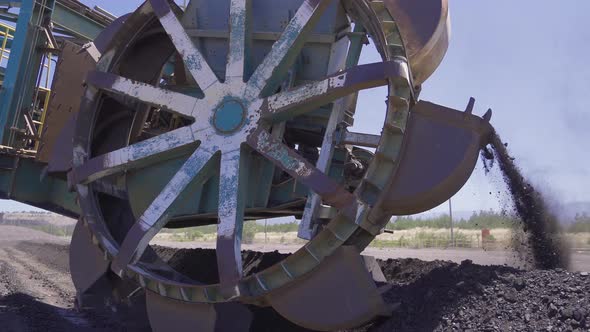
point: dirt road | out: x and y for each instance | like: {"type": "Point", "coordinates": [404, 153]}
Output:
{"type": "Point", "coordinates": [580, 261]}
{"type": "Point", "coordinates": [36, 292]}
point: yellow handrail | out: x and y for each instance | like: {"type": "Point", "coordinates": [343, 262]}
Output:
{"type": "Point", "coordinates": [8, 32]}
{"type": "Point", "coordinates": [46, 66]}
{"type": "Point", "coordinates": [5, 31]}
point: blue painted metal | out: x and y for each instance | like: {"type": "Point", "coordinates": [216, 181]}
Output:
{"type": "Point", "coordinates": [14, 80]}
{"type": "Point", "coordinates": [25, 57]}
{"type": "Point", "coordinates": [76, 23]}
{"type": "Point", "coordinates": [145, 183]}
{"type": "Point", "coordinates": [21, 177]}
{"type": "Point", "coordinates": [72, 21]}
{"type": "Point", "coordinates": [229, 116]}
{"type": "Point", "coordinates": [21, 180]}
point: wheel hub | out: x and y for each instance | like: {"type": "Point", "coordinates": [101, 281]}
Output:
{"type": "Point", "coordinates": [231, 124]}
{"type": "Point", "coordinates": [229, 116]}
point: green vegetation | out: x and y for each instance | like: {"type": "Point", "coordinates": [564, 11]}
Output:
{"type": "Point", "coordinates": [192, 235]}
{"type": "Point", "coordinates": [425, 239]}
{"type": "Point", "coordinates": [480, 220]}
{"type": "Point", "coordinates": [422, 238]}
{"type": "Point", "coordinates": [249, 232]}
{"type": "Point", "coordinates": [250, 227]}
{"type": "Point", "coordinates": [581, 224]}
{"type": "Point", "coordinates": [53, 229]}
{"type": "Point", "coordinates": [490, 239]}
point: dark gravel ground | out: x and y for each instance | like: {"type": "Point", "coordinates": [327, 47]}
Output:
{"type": "Point", "coordinates": [426, 296]}
{"type": "Point", "coordinates": [444, 296]}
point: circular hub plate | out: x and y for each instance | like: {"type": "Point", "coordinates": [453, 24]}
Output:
{"type": "Point", "coordinates": [231, 123]}
{"type": "Point", "coordinates": [229, 116]}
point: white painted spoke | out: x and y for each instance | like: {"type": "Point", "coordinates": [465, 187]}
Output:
{"type": "Point", "coordinates": [309, 97]}
{"type": "Point", "coordinates": [132, 156]}
{"type": "Point", "coordinates": [361, 139]}
{"type": "Point", "coordinates": [238, 20]}
{"type": "Point", "coordinates": [157, 214]}
{"type": "Point", "coordinates": [194, 61]}
{"type": "Point", "coordinates": [300, 169]}
{"type": "Point", "coordinates": [231, 218]}
{"type": "Point", "coordinates": [143, 92]}
{"type": "Point", "coordinates": [286, 49]}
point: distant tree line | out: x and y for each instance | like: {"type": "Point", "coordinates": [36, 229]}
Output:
{"type": "Point", "coordinates": [478, 220]}
{"type": "Point", "coordinates": [481, 220]}
{"type": "Point", "coordinates": [581, 224]}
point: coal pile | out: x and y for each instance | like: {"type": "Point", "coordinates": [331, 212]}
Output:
{"type": "Point", "coordinates": [541, 226]}
{"type": "Point", "coordinates": [442, 296]}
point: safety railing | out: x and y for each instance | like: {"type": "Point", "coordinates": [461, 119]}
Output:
{"type": "Point", "coordinates": [42, 94]}
{"type": "Point", "coordinates": [6, 33]}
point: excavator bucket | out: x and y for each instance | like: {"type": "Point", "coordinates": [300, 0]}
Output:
{"type": "Point", "coordinates": [222, 113]}
{"type": "Point", "coordinates": [438, 156]}
{"type": "Point", "coordinates": [425, 27]}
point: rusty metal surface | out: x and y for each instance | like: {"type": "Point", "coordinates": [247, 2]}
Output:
{"type": "Point", "coordinates": [102, 41]}
{"type": "Point", "coordinates": [65, 100]}
{"type": "Point", "coordinates": [60, 159]}
{"type": "Point", "coordinates": [439, 154]}
{"type": "Point", "coordinates": [425, 29]}
{"type": "Point", "coordinates": [212, 140]}
{"type": "Point", "coordinates": [87, 263]}
{"type": "Point", "coordinates": [316, 300]}
{"type": "Point", "coordinates": [326, 285]}
{"type": "Point", "coordinates": [170, 315]}
{"type": "Point", "coordinates": [320, 286]}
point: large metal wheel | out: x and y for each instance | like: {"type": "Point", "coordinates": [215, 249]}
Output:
{"type": "Point", "coordinates": [220, 124]}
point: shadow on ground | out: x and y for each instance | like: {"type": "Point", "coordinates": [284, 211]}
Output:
{"type": "Point", "coordinates": [21, 312]}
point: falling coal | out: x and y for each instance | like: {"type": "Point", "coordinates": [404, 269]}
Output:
{"type": "Point", "coordinates": [542, 230]}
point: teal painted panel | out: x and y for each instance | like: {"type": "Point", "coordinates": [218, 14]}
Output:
{"type": "Point", "coordinates": [75, 23]}
{"type": "Point", "coordinates": [27, 185]}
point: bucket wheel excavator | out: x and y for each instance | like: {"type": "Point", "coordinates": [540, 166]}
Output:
{"type": "Point", "coordinates": [224, 112]}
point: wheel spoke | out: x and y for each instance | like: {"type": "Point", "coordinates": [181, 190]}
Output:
{"type": "Point", "coordinates": [309, 97]}
{"type": "Point", "coordinates": [361, 139]}
{"type": "Point", "coordinates": [238, 32]}
{"type": "Point", "coordinates": [194, 61]}
{"type": "Point", "coordinates": [143, 92]}
{"type": "Point", "coordinates": [110, 187]}
{"type": "Point", "coordinates": [231, 218]}
{"type": "Point", "coordinates": [133, 156]}
{"type": "Point", "coordinates": [300, 169]}
{"type": "Point", "coordinates": [286, 49]}
{"type": "Point", "coordinates": [157, 214]}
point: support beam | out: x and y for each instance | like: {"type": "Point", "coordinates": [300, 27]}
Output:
{"type": "Point", "coordinates": [21, 180]}
{"type": "Point", "coordinates": [22, 69]}
{"type": "Point", "coordinates": [71, 15]}
{"type": "Point", "coordinates": [360, 139]}
{"type": "Point", "coordinates": [308, 227]}
{"type": "Point", "coordinates": [76, 22]}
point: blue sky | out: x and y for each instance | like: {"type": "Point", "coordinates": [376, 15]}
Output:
{"type": "Point", "coordinates": [527, 60]}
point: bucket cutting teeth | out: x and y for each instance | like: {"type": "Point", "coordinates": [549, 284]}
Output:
{"type": "Point", "coordinates": [170, 136]}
